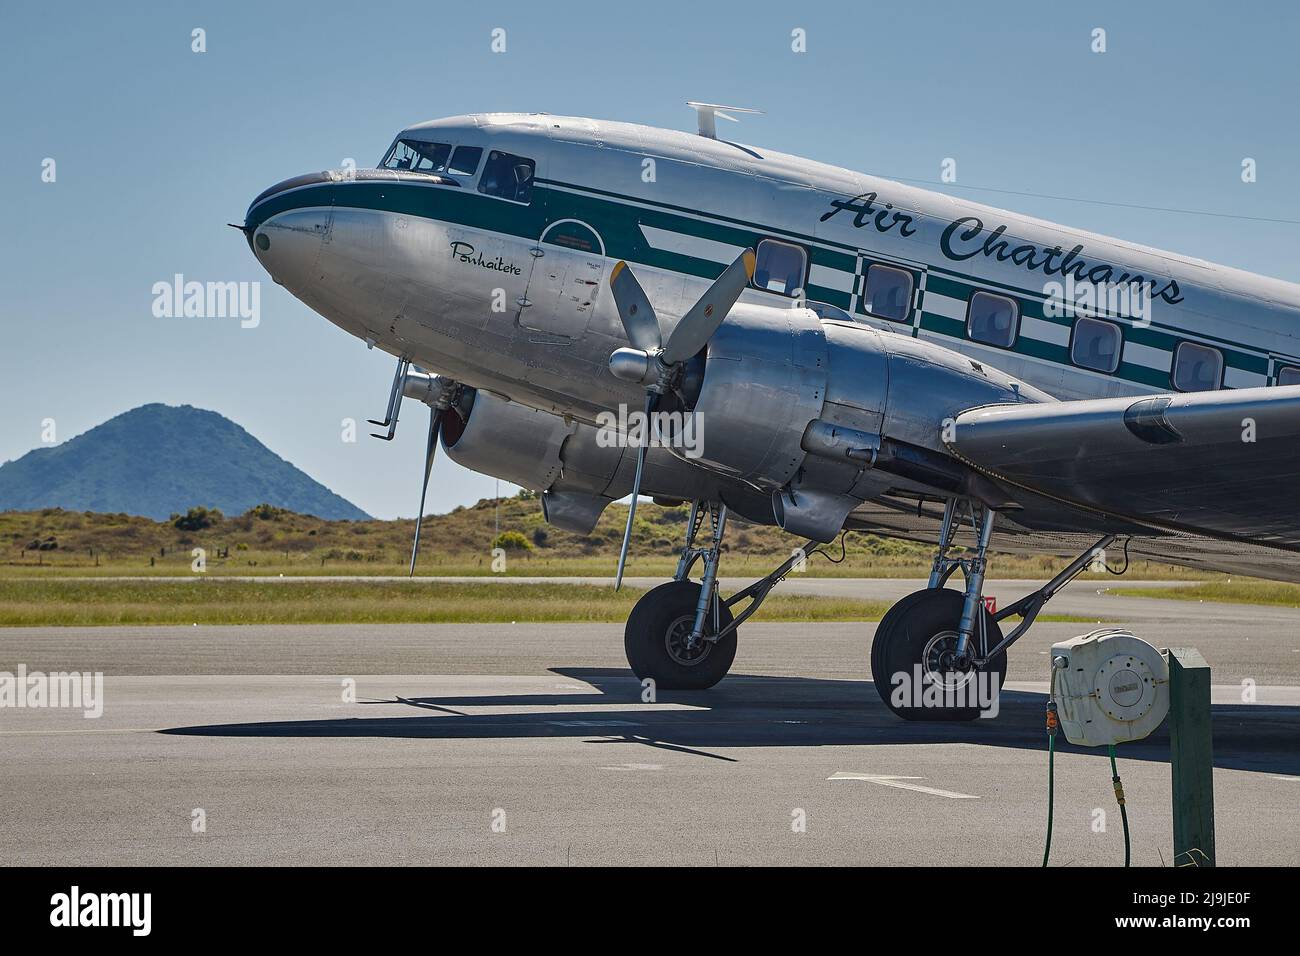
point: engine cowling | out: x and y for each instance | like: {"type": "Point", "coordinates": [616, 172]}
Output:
{"type": "Point", "coordinates": [805, 407]}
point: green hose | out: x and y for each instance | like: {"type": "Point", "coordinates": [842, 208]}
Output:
{"type": "Point", "coordinates": [1052, 726]}
{"type": "Point", "coordinates": [1051, 790]}
{"type": "Point", "coordinates": [1119, 796]}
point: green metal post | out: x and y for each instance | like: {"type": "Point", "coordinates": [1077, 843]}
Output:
{"type": "Point", "coordinates": [1191, 757]}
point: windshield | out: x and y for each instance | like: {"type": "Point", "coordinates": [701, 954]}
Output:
{"type": "Point", "coordinates": [421, 157]}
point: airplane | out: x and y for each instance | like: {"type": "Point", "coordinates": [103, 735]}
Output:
{"type": "Point", "coordinates": [866, 355]}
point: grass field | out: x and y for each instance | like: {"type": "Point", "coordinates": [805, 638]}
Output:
{"type": "Point", "coordinates": [50, 561]}
{"type": "Point", "coordinates": [1233, 591]}
{"type": "Point", "coordinates": [214, 601]}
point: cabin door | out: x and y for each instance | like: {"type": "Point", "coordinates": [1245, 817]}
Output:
{"type": "Point", "coordinates": [567, 280]}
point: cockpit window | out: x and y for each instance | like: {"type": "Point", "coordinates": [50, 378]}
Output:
{"type": "Point", "coordinates": [418, 156]}
{"type": "Point", "coordinates": [508, 177]}
{"type": "Point", "coordinates": [465, 160]}
{"type": "Point", "coordinates": [432, 158]}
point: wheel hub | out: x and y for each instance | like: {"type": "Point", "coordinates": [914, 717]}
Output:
{"type": "Point", "coordinates": [940, 662]}
{"type": "Point", "coordinates": [677, 641]}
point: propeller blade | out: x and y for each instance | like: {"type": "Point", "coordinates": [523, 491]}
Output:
{"type": "Point", "coordinates": [638, 315]}
{"type": "Point", "coordinates": [698, 325]}
{"type": "Point", "coordinates": [435, 429]}
{"type": "Point", "coordinates": [651, 400]}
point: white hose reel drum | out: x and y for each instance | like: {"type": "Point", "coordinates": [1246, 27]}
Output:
{"type": "Point", "coordinates": [1110, 687]}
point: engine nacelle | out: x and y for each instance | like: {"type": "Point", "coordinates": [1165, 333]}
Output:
{"type": "Point", "coordinates": [578, 468]}
{"type": "Point", "coordinates": [805, 407]}
{"type": "Point", "coordinates": [504, 439]}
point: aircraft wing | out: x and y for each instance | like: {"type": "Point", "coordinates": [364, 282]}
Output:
{"type": "Point", "coordinates": [1223, 464]}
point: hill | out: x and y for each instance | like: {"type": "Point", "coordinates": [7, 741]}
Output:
{"type": "Point", "coordinates": [158, 460]}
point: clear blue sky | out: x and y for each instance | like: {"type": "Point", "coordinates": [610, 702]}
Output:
{"type": "Point", "coordinates": [158, 147]}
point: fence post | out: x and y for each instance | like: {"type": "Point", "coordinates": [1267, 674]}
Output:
{"type": "Point", "coordinates": [1191, 757]}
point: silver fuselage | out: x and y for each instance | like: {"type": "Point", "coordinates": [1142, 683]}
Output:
{"type": "Point", "coordinates": [513, 297]}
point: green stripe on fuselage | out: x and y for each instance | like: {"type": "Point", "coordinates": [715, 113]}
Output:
{"type": "Point", "coordinates": [618, 223]}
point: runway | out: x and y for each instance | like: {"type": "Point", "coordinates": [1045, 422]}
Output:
{"type": "Point", "coordinates": [530, 744]}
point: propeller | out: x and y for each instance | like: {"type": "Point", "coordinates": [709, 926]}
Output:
{"type": "Point", "coordinates": [430, 449]}
{"type": "Point", "coordinates": [658, 366]}
{"type": "Point", "coordinates": [438, 393]}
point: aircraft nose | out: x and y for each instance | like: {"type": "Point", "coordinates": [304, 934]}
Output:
{"type": "Point", "coordinates": [286, 226]}
{"type": "Point", "coordinates": [288, 244]}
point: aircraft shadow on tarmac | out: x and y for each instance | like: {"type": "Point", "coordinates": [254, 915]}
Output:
{"type": "Point", "coordinates": [761, 711]}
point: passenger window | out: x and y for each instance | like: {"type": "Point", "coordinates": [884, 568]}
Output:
{"type": "Point", "coordinates": [1096, 345]}
{"type": "Point", "coordinates": [1288, 375]}
{"type": "Point", "coordinates": [887, 293]}
{"type": "Point", "coordinates": [507, 177]}
{"type": "Point", "coordinates": [465, 162]}
{"type": "Point", "coordinates": [992, 319]}
{"type": "Point", "coordinates": [779, 267]}
{"type": "Point", "coordinates": [421, 157]}
{"type": "Point", "coordinates": [1197, 368]}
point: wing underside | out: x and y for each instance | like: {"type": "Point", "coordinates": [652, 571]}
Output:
{"type": "Point", "coordinates": [1207, 479]}
{"type": "Point", "coordinates": [907, 521]}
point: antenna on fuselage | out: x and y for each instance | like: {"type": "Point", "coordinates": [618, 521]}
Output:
{"type": "Point", "coordinates": [706, 115]}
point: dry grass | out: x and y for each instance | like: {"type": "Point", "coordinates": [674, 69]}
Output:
{"type": "Point", "coordinates": [213, 601]}
{"type": "Point", "coordinates": [28, 603]}
{"type": "Point", "coordinates": [1232, 591]}
{"type": "Point", "coordinates": [457, 543]}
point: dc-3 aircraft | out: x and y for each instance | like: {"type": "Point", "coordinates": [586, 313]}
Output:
{"type": "Point", "coordinates": [810, 347]}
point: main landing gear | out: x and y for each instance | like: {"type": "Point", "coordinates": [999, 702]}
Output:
{"type": "Point", "coordinates": [682, 635]}
{"type": "Point", "coordinates": [939, 653]}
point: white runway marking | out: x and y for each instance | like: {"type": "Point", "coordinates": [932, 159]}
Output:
{"type": "Point", "coordinates": [888, 781]}
{"type": "Point", "coordinates": [82, 730]}
{"type": "Point", "coordinates": [636, 766]}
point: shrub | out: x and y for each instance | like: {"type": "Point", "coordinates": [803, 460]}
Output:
{"type": "Point", "coordinates": [196, 519]}
{"type": "Point", "coordinates": [266, 512]}
{"type": "Point", "coordinates": [512, 541]}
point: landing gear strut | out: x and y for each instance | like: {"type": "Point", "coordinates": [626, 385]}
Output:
{"type": "Point", "coordinates": [939, 654]}
{"type": "Point", "coordinates": [682, 635]}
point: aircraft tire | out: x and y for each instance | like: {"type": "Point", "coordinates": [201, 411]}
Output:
{"type": "Point", "coordinates": [915, 631]}
{"type": "Point", "coordinates": [653, 640]}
